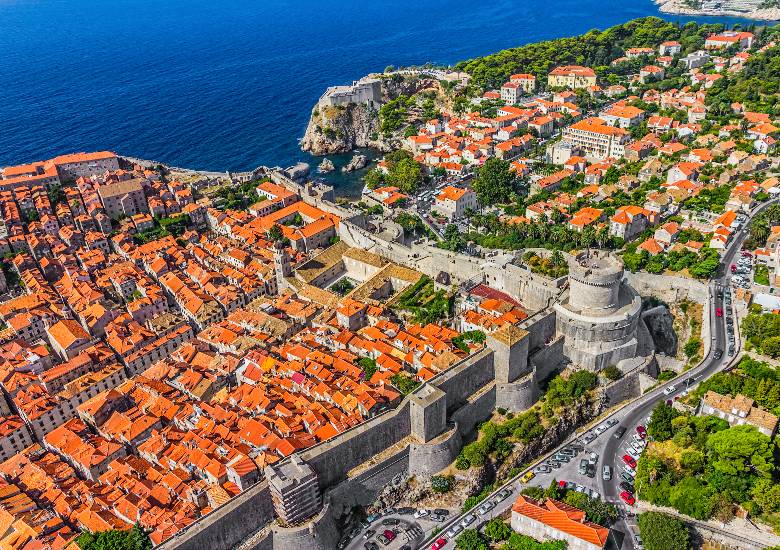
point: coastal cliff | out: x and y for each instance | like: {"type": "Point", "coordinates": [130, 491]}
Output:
{"type": "Point", "coordinates": [691, 7]}
{"type": "Point", "coordinates": [342, 128]}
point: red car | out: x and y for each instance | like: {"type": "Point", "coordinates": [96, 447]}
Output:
{"type": "Point", "coordinates": [641, 431]}
{"type": "Point", "coordinates": [389, 535]}
{"type": "Point", "coordinates": [629, 460]}
{"type": "Point", "coordinates": [439, 544]}
{"type": "Point", "coordinates": [562, 484]}
{"type": "Point", "coordinates": [718, 312]}
{"type": "Point", "coordinates": [733, 268]}
{"type": "Point", "coordinates": [628, 498]}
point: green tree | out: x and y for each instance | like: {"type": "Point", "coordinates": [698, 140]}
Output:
{"type": "Point", "coordinates": [660, 426]}
{"type": "Point", "coordinates": [471, 539]}
{"type": "Point", "coordinates": [494, 182]}
{"type": "Point", "coordinates": [691, 347]}
{"type": "Point", "coordinates": [741, 451]}
{"type": "Point", "coordinates": [275, 233]}
{"type": "Point", "coordinates": [766, 493]}
{"type": "Point", "coordinates": [496, 530]}
{"type": "Point", "coordinates": [612, 373]}
{"type": "Point", "coordinates": [663, 532]}
{"type": "Point", "coordinates": [406, 175]}
{"type": "Point", "coordinates": [134, 539]}
{"type": "Point", "coordinates": [475, 453]}
{"type": "Point", "coordinates": [692, 498]}
{"type": "Point", "coordinates": [374, 179]}
{"type": "Point", "coordinates": [442, 484]}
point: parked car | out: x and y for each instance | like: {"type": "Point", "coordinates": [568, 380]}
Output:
{"type": "Point", "coordinates": [368, 534]}
{"type": "Point", "coordinates": [442, 511]}
{"type": "Point", "coordinates": [626, 486]}
{"type": "Point", "coordinates": [611, 422]}
{"type": "Point", "coordinates": [391, 521]}
{"type": "Point", "coordinates": [583, 466]}
{"type": "Point", "coordinates": [628, 498]}
{"type": "Point", "coordinates": [641, 431]}
{"type": "Point", "coordinates": [486, 507]}
{"type": "Point", "coordinates": [503, 494]}
{"type": "Point", "coordinates": [606, 473]}
{"type": "Point", "coordinates": [629, 461]}
{"type": "Point", "coordinates": [542, 469]}
{"type": "Point", "coordinates": [421, 513]}
{"type": "Point", "coordinates": [528, 476]}
{"type": "Point", "coordinates": [439, 544]}
{"type": "Point", "coordinates": [371, 545]}
{"type": "Point", "coordinates": [468, 520]}
{"type": "Point", "coordinates": [626, 477]}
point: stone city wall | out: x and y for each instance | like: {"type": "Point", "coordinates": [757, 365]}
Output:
{"type": "Point", "coordinates": [333, 458]}
{"type": "Point", "coordinates": [669, 289]}
{"type": "Point", "coordinates": [466, 378]}
{"type": "Point", "coordinates": [229, 524]}
{"type": "Point", "coordinates": [428, 458]}
{"type": "Point", "coordinates": [478, 408]}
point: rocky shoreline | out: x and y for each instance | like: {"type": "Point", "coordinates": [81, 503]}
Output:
{"type": "Point", "coordinates": [680, 7]}
{"type": "Point", "coordinates": [338, 129]}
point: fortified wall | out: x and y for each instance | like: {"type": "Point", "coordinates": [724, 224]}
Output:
{"type": "Point", "coordinates": [424, 433]}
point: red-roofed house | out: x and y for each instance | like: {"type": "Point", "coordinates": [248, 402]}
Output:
{"type": "Point", "coordinates": [554, 520]}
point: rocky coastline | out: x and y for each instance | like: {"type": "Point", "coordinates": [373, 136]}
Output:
{"type": "Point", "coordinates": [680, 7]}
{"type": "Point", "coordinates": [336, 129]}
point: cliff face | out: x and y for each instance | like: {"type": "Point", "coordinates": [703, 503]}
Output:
{"type": "Point", "coordinates": [341, 129]}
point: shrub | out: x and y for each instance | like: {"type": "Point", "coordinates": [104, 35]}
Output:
{"type": "Point", "coordinates": [462, 463]}
{"type": "Point", "coordinates": [612, 373]}
{"type": "Point", "coordinates": [442, 484]}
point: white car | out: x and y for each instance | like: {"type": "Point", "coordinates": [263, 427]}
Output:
{"type": "Point", "coordinates": [454, 530]}
{"type": "Point", "coordinates": [633, 453]}
{"type": "Point", "coordinates": [594, 493]}
{"type": "Point", "coordinates": [421, 513]}
{"type": "Point", "coordinates": [669, 390]}
{"type": "Point", "coordinates": [468, 520]}
{"type": "Point", "coordinates": [486, 507]}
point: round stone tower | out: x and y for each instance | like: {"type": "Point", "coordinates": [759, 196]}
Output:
{"type": "Point", "coordinates": [599, 320]}
{"type": "Point", "coordinates": [594, 282]}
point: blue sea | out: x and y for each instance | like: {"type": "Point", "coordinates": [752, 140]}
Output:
{"type": "Point", "coordinates": [229, 84]}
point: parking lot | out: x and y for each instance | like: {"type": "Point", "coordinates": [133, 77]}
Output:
{"type": "Point", "coordinates": [565, 466]}
{"type": "Point", "coordinates": [394, 529]}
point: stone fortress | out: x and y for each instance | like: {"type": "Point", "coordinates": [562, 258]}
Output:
{"type": "Point", "coordinates": [600, 319]}
{"type": "Point", "coordinates": [590, 319]}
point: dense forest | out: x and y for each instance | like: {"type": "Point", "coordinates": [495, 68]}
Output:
{"type": "Point", "coordinates": [595, 49]}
